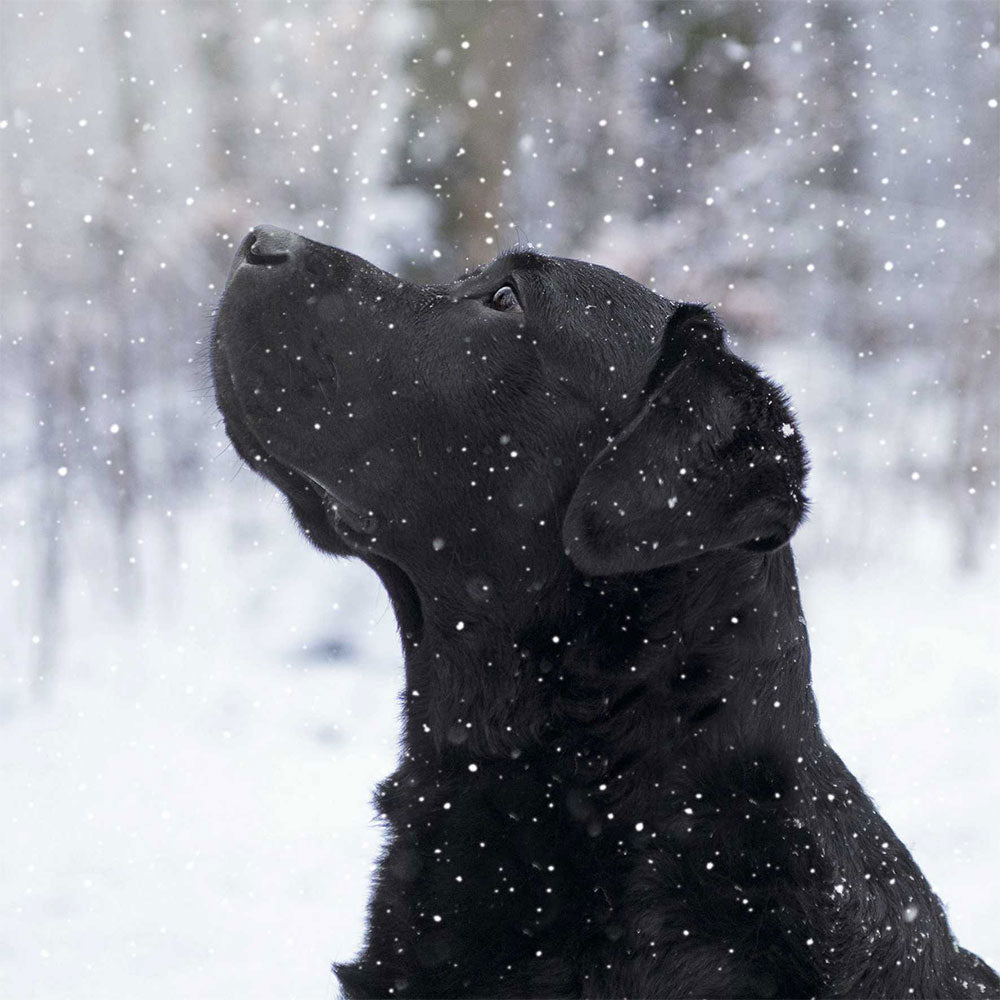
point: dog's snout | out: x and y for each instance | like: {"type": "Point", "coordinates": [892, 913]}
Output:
{"type": "Point", "coordinates": [272, 245]}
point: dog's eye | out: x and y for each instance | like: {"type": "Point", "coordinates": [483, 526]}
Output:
{"type": "Point", "coordinates": [505, 299]}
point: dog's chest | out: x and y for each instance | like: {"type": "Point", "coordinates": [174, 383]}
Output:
{"type": "Point", "coordinates": [537, 870]}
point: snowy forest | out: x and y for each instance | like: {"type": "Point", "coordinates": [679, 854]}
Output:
{"type": "Point", "coordinates": [193, 704]}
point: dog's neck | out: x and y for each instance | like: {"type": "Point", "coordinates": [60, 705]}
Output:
{"type": "Point", "coordinates": [707, 649]}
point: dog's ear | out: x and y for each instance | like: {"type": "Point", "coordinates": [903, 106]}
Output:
{"type": "Point", "coordinates": [712, 461]}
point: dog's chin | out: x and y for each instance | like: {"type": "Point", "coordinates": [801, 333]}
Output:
{"type": "Point", "coordinates": [336, 528]}
{"type": "Point", "coordinates": [308, 503]}
{"type": "Point", "coordinates": [332, 526]}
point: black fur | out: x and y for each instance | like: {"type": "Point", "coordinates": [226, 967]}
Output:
{"type": "Point", "coordinates": [613, 781]}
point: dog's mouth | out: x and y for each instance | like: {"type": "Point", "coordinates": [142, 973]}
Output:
{"type": "Point", "coordinates": [333, 525]}
{"type": "Point", "coordinates": [324, 514]}
{"type": "Point", "coordinates": [342, 514]}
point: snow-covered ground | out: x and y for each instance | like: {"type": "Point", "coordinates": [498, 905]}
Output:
{"type": "Point", "coordinates": [188, 815]}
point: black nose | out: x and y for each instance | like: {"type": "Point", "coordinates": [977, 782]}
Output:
{"type": "Point", "coordinates": [272, 245]}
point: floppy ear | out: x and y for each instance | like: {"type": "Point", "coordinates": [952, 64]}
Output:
{"type": "Point", "coordinates": [712, 461]}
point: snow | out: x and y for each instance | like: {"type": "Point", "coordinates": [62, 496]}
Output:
{"type": "Point", "coordinates": [905, 674]}
{"type": "Point", "coordinates": [185, 811]}
{"type": "Point", "coordinates": [188, 813]}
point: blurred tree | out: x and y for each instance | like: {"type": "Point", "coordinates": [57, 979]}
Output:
{"type": "Point", "coordinates": [824, 173]}
{"type": "Point", "coordinates": [463, 130]}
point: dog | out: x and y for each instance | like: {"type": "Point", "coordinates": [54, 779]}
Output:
{"type": "Point", "coordinates": [612, 781]}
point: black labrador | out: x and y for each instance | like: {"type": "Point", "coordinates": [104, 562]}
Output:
{"type": "Point", "coordinates": [613, 781]}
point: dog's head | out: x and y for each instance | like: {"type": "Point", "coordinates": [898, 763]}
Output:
{"type": "Point", "coordinates": [534, 414]}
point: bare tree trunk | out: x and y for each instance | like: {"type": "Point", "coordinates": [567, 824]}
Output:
{"type": "Point", "coordinates": [124, 469]}
{"type": "Point", "coordinates": [51, 505]}
{"type": "Point", "coordinates": [975, 468]}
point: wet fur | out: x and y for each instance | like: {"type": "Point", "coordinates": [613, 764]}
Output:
{"type": "Point", "coordinates": [612, 780]}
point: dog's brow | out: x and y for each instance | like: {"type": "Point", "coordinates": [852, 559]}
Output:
{"type": "Point", "coordinates": [522, 260]}
{"type": "Point", "coordinates": [515, 259]}
{"type": "Point", "coordinates": [473, 272]}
